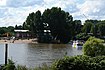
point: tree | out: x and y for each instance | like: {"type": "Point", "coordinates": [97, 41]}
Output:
{"type": "Point", "coordinates": [4, 31]}
{"type": "Point", "coordinates": [82, 36]}
{"type": "Point", "coordinates": [28, 24]}
{"type": "Point", "coordinates": [59, 23]}
{"type": "Point", "coordinates": [93, 21]}
{"type": "Point", "coordinates": [87, 28]}
{"type": "Point", "coordinates": [76, 28]}
{"type": "Point", "coordinates": [94, 47]}
{"type": "Point", "coordinates": [19, 27]}
{"type": "Point", "coordinates": [38, 24]}
{"type": "Point", "coordinates": [101, 28]}
{"type": "Point", "coordinates": [56, 20]}
{"type": "Point", "coordinates": [10, 29]}
{"type": "Point", "coordinates": [25, 26]}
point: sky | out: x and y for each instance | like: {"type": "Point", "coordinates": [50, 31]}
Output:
{"type": "Point", "coordinates": [15, 12]}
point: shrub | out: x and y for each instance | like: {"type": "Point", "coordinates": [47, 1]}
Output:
{"type": "Point", "coordinates": [44, 67]}
{"type": "Point", "coordinates": [20, 67]}
{"type": "Point", "coordinates": [94, 47]}
{"type": "Point", "coordinates": [10, 65]}
{"type": "Point", "coordinates": [80, 63]}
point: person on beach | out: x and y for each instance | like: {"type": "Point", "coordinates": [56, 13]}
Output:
{"type": "Point", "coordinates": [13, 39]}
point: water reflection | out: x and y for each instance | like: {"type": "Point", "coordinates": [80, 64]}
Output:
{"type": "Point", "coordinates": [36, 54]}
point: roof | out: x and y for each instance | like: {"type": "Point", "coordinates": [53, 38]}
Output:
{"type": "Point", "coordinates": [21, 30]}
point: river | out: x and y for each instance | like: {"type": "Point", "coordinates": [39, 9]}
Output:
{"type": "Point", "coordinates": [33, 55]}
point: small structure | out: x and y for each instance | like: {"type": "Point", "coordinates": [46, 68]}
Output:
{"type": "Point", "coordinates": [22, 34]}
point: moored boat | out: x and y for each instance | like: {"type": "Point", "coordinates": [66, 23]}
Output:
{"type": "Point", "coordinates": [77, 44]}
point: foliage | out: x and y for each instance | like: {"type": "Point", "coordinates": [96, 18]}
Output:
{"type": "Point", "coordinates": [97, 27]}
{"type": "Point", "coordinates": [76, 28]}
{"type": "Point", "coordinates": [59, 24]}
{"type": "Point", "coordinates": [56, 20]}
{"type": "Point", "coordinates": [93, 21]}
{"type": "Point", "coordinates": [5, 30]}
{"type": "Point", "coordinates": [83, 36]}
{"type": "Point", "coordinates": [18, 27]}
{"type": "Point", "coordinates": [20, 67]}
{"type": "Point", "coordinates": [94, 47]}
{"type": "Point", "coordinates": [101, 28]}
{"type": "Point", "coordinates": [87, 27]}
{"type": "Point", "coordinates": [44, 67]}
{"type": "Point", "coordinates": [80, 63]}
{"type": "Point", "coordinates": [10, 65]}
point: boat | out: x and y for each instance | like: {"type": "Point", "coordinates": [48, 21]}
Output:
{"type": "Point", "coordinates": [77, 44]}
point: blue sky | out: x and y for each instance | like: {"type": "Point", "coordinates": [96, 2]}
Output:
{"type": "Point", "coordinates": [14, 12]}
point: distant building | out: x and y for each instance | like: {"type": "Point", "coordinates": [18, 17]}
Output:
{"type": "Point", "coordinates": [22, 34]}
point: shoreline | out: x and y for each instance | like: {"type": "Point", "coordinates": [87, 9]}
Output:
{"type": "Point", "coordinates": [18, 41]}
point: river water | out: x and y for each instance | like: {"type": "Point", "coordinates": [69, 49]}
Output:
{"type": "Point", "coordinates": [33, 55]}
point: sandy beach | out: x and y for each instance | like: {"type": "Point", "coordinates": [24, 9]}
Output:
{"type": "Point", "coordinates": [17, 41]}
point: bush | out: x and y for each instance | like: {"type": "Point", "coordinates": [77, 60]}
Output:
{"type": "Point", "coordinates": [80, 63]}
{"type": "Point", "coordinates": [10, 65]}
{"type": "Point", "coordinates": [94, 47]}
{"type": "Point", "coordinates": [19, 67]}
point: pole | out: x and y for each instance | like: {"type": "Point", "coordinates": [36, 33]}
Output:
{"type": "Point", "coordinates": [6, 53]}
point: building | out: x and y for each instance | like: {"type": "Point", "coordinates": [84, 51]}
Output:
{"type": "Point", "coordinates": [22, 34]}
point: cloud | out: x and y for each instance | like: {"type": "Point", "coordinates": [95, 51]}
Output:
{"type": "Point", "coordinates": [14, 12]}
{"type": "Point", "coordinates": [92, 9]}
{"type": "Point", "coordinates": [13, 16]}
{"type": "Point", "coordinates": [23, 3]}
{"type": "Point", "coordinates": [2, 12]}
{"type": "Point", "coordinates": [2, 2]}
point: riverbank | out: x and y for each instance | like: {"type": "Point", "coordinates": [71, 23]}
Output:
{"type": "Point", "coordinates": [18, 41]}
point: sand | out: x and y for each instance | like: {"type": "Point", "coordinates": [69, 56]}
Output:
{"type": "Point", "coordinates": [17, 41]}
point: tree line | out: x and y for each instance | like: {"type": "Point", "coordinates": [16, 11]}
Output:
{"type": "Point", "coordinates": [57, 24]}
{"type": "Point", "coordinates": [60, 24]}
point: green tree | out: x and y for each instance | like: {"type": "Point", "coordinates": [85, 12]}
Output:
{"type": "Point", "coordinates": [56, 20]}
{"type": "Point", "coordinates": [28, 24]}
{"type": "Point", "coordinates": [94, 47]}
{"type": "Point", "coordinates": [82, 36]}
{"type": "Point", "coordinates": [38, 25]}
{"type": "Point", "coordinates": [25, 26]}
{"type": "Point", "coordinates": [59, 23]}
{"type": "Point", "coordinates": [87, 28]}
{"type": "Point", "coordinates": [93, 21]}
{"type": "Point", "coordinates": [2, 31]}
{"type": "Point", "coordinates": [5, 30]}
{"type": "Point", "coordinates": [101, 28]}
{"type": "Point", "coordinates": [10, 29]}
{"type": "Point", "coordinates": [19, 27]}
{"type": "Point", "coordinates": [76, 28]}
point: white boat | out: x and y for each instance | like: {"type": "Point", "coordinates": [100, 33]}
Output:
{"type": "Point", "coordinates": [77, 44]}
